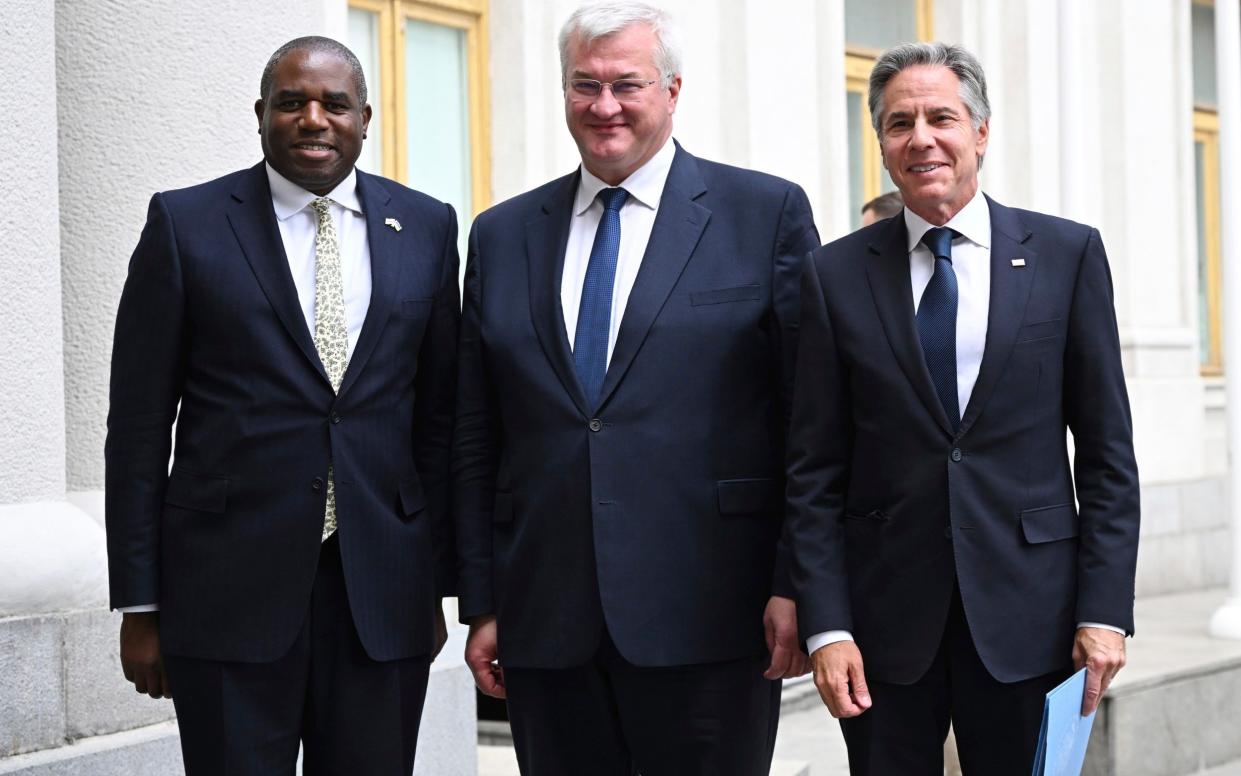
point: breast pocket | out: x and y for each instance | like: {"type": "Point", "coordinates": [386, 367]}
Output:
{"type": "Point", "coordinates": [1040, 330]}
{"type": "Point", "coordinates": [724, 295]}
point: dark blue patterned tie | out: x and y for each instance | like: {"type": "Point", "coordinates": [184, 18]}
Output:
{"type": "Point", "coordinates": [937, 322]}
{"type": "Point", "coordinates": [594, 317]}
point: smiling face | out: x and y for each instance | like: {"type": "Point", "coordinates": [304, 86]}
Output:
{"type": "Point", "coordinates": [616, 138]}
{"type": "Point", "coordinates": [312, 121]}
{"type": "Point", "coordinates": [928, 141]}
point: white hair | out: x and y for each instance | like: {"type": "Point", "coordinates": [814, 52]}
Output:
{"type": "Point", "coordinates": [598, 20]}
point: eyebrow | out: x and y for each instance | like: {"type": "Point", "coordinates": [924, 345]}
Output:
{"type": "Point", "coordinates": [287, 94]}
{"type": "Point", "coordinates": [627, 76]}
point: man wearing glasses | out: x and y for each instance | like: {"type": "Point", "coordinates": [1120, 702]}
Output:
{"type": "Point", "coordinates": [626, 358]}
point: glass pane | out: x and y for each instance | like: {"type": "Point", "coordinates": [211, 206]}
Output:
{"type": "Point", "coordinates": [364, 41]}
{"type": "Point", "coordinates": [857, 136]}
{"type": "Point", "coordinates": [1203, 46]}
{"type": "Point", "coordinates": [880, 24]}
{"type": "Point", "coordinates": [1204, 290]}
{"type": "Point", "coordinates": [437, 115]}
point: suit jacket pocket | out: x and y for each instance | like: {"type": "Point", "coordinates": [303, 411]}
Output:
{"type": "Point", "coordinates": [721, 295]}
{"type": "Point", "coordinates": [503, 512]}
{"type": "Point", "coordinates": [413, 500]}
{"type": "Point", "coordinates": [1040, 331]}
{"type": "Point", "coordinates": [415, 308]}
{"type": "Point", "coordinates": [1049, 524]}
{"type": "Point", "coordinates": [745, 497]}
{"type": "Point", "coordinates": [199, 492]}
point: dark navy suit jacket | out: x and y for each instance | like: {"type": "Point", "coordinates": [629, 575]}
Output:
{"type": "Point", "coordinates": [227, 543]}
{"type": "Point", "coordinates": [890, 508]}
{"type": "Point", "coordinates": [658, 511]}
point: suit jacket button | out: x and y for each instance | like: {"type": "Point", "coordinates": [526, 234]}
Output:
{"type": "Point", "coordinates": [335, 418]}
{"type": "Point", "coordinates": [596, 424]}
{"type": "Point", "coordinates": [956, 454]}
{"type": "Point", "coordinates": [947, 532]}
{"type": "Point", "coordinates": [317, 483]}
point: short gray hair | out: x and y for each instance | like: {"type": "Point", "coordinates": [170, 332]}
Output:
{"type": "Point", "coordinates": [955, 58]}
{"type": "Point", "coordinates": [598, 20]}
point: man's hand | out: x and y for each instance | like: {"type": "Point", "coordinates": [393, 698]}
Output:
{"type": "Point", "coordinates": [780, 625]}
{"type": "Point", "coordinates": [480, 655]}
{"type": "Point", "coordinates": [1102, 652]}
{"type": "Point", "coordinates": [839, 677]}
{"type": "Point", "coordinates": [441, 630]}
{"type": "Point", "coordinates": [141, 659]}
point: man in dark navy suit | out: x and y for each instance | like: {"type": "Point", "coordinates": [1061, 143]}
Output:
{"type": "Point", "coordinates": [282, 582]}
{"type": "Point", "coordinates": [626, 354]}
{"type": "Point", "coordinates": [950, 566]}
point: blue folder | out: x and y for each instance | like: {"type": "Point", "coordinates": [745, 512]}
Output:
{"type": "Point", "coordinates": [1065, 732]}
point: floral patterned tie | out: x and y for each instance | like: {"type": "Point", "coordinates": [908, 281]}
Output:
{"type": "Point", "coordinates": [331, 334]}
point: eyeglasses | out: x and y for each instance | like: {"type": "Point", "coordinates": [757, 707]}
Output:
{"type": "Point", "coordinates": [624, 90]}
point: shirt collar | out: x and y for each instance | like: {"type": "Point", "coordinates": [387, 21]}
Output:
{"type": "Point", "coordinates": [973, 222]}
{"type": "Point", "coordinates": [645, 185]}
{"type": "Point", "coordinates": [288, 198]}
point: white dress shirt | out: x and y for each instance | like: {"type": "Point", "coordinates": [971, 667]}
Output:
{"type": "Point", "coordinates": [299, 225]}
{"type": "Point", "coordinates": [971, 261]}
{"type": "Point", "coordinates": [637, 217]}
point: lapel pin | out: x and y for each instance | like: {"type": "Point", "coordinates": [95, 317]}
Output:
{"type": "Point", "coordinates": [1016, 262]}
{"type": "Point", "coordinates": [395, 224]}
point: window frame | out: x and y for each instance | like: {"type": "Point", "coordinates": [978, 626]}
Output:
{"type": "Point", "coordinates": [1206, 132]}
{"type": "Point", "coordinates": [469, 16]}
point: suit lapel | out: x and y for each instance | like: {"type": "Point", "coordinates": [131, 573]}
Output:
{"type": "Point", "coordinates": [1010, 291]}
{"type": "Point", "coordinates": [385, 245]}
{"type": "Point", "coordinates": [678, 227]}
{"type": "Point", "coordinates": [547, 236]}
{"type": "Point", "coordinates": [254, 223]}
{"type": "Point", "coordinates": [892, 289]}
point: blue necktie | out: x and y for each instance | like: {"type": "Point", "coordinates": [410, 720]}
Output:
{"type": "Point", "coordinates": [594, 317]}
{"type": "Point", "coordinates": [937, 322]}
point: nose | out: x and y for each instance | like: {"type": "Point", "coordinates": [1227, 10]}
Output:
{"type": "Point", "coordinates": [313, 117]}
{"type": "Point", "coordinates": [921, 136]}
{"type": "Point", "coordinates": [605, 104]}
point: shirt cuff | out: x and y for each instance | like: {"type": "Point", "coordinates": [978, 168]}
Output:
{"type": "Point", "coordinates": [819, 640]}
{"type": "Point", "coordinates": [1112, 628]}
{"type": "Point", "coordinates": [138, 609]}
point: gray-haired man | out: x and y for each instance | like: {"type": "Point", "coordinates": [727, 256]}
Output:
{"type": "Point", "coordinates": [626, 352]}
{"type": "Point", "coordinates": [936, 528]}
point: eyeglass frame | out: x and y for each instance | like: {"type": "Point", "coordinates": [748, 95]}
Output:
{"type": "Point", "coordinates": [573, 94]}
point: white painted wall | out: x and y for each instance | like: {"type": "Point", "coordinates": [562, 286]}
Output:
{"type": "Point", "coordinates": [32, 462]}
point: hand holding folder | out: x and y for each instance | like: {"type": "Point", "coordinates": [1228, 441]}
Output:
{"type": "Point", "coordinates": [1065, 732]}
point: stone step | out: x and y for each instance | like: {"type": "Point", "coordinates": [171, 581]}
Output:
{"type": "Point", "coordinates": [501, 761]}
{"type": "Point", "coordinates": [1176, 707]}
{"type": "Point", "coordinates": [154, 750]}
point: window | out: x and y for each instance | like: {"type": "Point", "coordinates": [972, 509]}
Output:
{"type": "Point", "coordinates": [1206, 185]}
{"type": "Point", "coordinates": [870, 27]}
{"type": "Point", "coordinates": [426, 65]}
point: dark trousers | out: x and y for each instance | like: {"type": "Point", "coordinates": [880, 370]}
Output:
{"type": "Point", "coordinates": [352, 714]}
{"type": "Point", "coordinates": [612, 718]}
{"type": "Point", "coordinates": [996, 724]}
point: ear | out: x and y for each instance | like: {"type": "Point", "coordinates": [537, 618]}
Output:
{"type": "Point", "coordinates": [259, 107]}
{"type": "Point", "coordinates": [674, 91]}
{"type": "Point", "coordinates": [366, 117]}
{"type": "Point", "coordinates": [983, 132]}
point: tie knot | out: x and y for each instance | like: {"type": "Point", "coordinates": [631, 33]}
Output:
{"type": "Point", "coordinates": [939, 242]}
{"type": "Point", "coordinates": [321, 205]}
{"type": "Point", "coordinates": [613, 198]}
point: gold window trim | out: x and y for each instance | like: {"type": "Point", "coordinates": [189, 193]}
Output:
{"type": "Point", "coordinates": [469, 16]}
{"type": "Point", "coordinates": [859, 61]}
{"type": "Point", "coordinates": [1206, 132]}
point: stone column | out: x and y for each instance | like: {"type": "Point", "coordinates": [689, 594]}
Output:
{"type": "Point", "coordinates": [1226, 623]}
